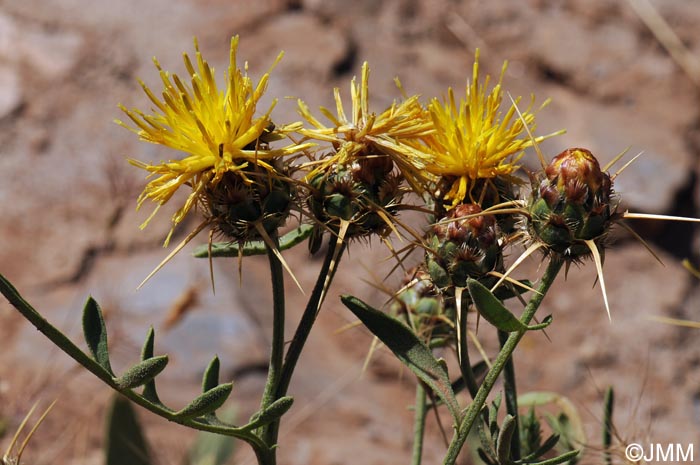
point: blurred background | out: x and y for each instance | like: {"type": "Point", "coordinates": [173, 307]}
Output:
{"type": "Point", "coordinates": [617, 78]}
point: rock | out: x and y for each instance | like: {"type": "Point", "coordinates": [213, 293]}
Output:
{"type": "Point", "coordinates": [291, 33]}
{"type": "Point", "coordinates": [50, 52]}
{"type": "Point", "coordinates": [10, 90]}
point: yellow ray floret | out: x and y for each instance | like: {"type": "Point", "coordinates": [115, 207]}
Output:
{"type": "Point", "coordinates": [367, 133]}
{"type": "Point", "coordinates": [216, 130]}
{"type": "Point", "coordinates": [473, 140]}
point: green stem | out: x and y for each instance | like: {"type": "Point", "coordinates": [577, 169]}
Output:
{"type": "Point", "coordinates": [514, 338]}
{"type": "Point", "coordinates": [419, 423]}
{"type": "Point", "coordinates": [608, 405]}
{"type": "Point", "coordinates": [325, 277]}
{"type": "Point", "coordinates": [262, 451]}
{"type": "Point", "coordinates": [464, 362]}
{"type": "Point", "coordinates": [277, 350]}
{"type": "Point", "coordinates": [511, 397]}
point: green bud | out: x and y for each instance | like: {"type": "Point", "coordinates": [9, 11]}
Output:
{"type": "Point", "coordinates": [463, 245]}
{"type": "Point", "coordinates": [572, 204]}
{"type": "Point", "coordinates": [354, 193]}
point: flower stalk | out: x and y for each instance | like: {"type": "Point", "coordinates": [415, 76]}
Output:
{"type": "Point", "coordinates": [499, 364]}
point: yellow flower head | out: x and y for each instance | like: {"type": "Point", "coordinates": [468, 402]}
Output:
{"type": "Point", "coordinates": [217, 131]}
{"type": "Point", "coordinates": [473, 140]}
{"type": "Point", "coordinates": [367, 134]}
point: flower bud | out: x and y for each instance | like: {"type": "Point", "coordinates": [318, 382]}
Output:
{"type": "Point", "coordinates": [572, 204]}
{"type": "Point", "coordinates": [355, 193]}
{"type": "Point", "coordinates": [463, 245]}
{"type": "Point", "coordinates": [235, 207]}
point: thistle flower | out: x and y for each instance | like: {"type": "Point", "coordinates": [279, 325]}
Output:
{"type": "Point", "coordinates": [473, 141]}
{"type": "Point", "coordinates": [358, 186]}
{"type": "Point", "coordinates": [226, 147]}
{"type": "Point", "coordinates": [366, 135]}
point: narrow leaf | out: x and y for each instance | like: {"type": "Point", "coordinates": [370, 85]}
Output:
{"type": "Point", "coordinates": [149, 389]}
{"type": "Point", "coordinates": [95, 334]}
{"type": "Point", "coordinates": [408, 348]}
{"type": "Point", "coordinates": [211, 375]}
{"type": "Point", "coordinates": [505, 437]}
{"type": "Point", "coordinates": [125, 442]}
{"type": "Point", "coordinates": [492, 309]}
{"type": "Point", "coordinates": [142, 372]}
{"type": "Point", "coordinates": [207, 402]}
{"type": "Point", "coordinates": [271, 413]}
{"type": "Point", "coordinates": [232, 249]}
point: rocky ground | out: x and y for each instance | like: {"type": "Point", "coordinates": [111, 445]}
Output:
{"type": "Point", "coordinates": [69, 228]}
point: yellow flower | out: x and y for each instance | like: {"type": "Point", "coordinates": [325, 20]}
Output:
{"type": "Point", "coordinates": [217, 131]}
{"type": "Point", "coordinates": [367, 134]}
{"type": "Point", "coordinates": [473, 140]}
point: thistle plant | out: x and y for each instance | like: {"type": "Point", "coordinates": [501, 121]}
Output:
{"type": "Point", "coordinates": [350, 178]}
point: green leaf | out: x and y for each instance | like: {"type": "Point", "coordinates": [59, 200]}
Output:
{"type": "Point", "coordinates": [142, 372]}
{"type": "Point", "coordinates": [505, 437]}
{"type": "Point", "coordinates": [574, 426]}
{"type": "Point", "coordinates": [496, 313]}
{"type": "Point", "coordinates": [149, 389]}
{"type": "Point", "coordinates": [231, 249]}
{"type": "Point", "coordinates": [206, 403]}
{"type": "Point", "coordinates": [125, 442]}
{"type": "Point", "coordinates": [271, 413]}
{"type": "Point", "coordinates": [408, 348]}
{"type": "Point", "coordinates": [211, 375]}
{"type": "Point", "coordinates": [95, 334]}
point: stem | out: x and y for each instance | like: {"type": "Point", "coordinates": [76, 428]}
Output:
{"type": "Point", "coordinates": [277, 350]}
{"type": "Point", "coordinates": [472, 413]}
{"type": "Point", "coordinates": [419, 423]}
{"type": "Point", "coordinates": [608, 405]}
{"type": "Point", "coordinates": [464, 362]}
{"type": "Point", "coordinates": [511, 397]}
{"type": "Point", "coordinates": [325, 277]}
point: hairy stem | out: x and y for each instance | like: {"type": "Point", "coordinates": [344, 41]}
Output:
{"type": "Point", "coordinates": [514, 338]}
{"type": "Point", "coordinates": [277, 350]}
{"type": "Point", "coordinates": [419, 423]}
{"type": "Point", "coordinates": [511, 397]}
{"type": "Point", "coordinates": [325, 277]}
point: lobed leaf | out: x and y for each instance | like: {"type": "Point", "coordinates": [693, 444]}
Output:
{"type": "Point", "coordinates": [142, 372]}
{"type": "Point", "coordinates": [95, 334]}
{"type": "Point", "coordinates": [206, 403]}
{"type": "Point", "coordinates": [211, 375]}
{"type": "Point", "coordinates": [271, 413]}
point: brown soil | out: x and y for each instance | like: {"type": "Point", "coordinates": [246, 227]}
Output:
{"type": "Point", "coordinates": [69, 228]}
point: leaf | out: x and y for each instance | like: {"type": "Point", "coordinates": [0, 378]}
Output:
{"type": "Point", "coordinates": [231, 249]}
{"type": "Point", "coordinates": [496, 313]}
{"type": "Point", "coordinates": [95, 334]}
{"type": "Point", "coordinates": [211, 375]}
{"type": "Point", "coordinates": [142, 372]}
{"type": "Point", "coordinates": [408, 348]}
{"type": "Point", "coordinates": [207, 402]}
{"type": "Point", "coordinates": [575, 425]}
{"type": "Point", "coordinates": [125, 442]}
{"type": "Point", "coordinates": [505, 437]}
{"type": "Point", "coordinates": [271, 413]}
{"type": "Point", "coordinates": [149, 389]}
